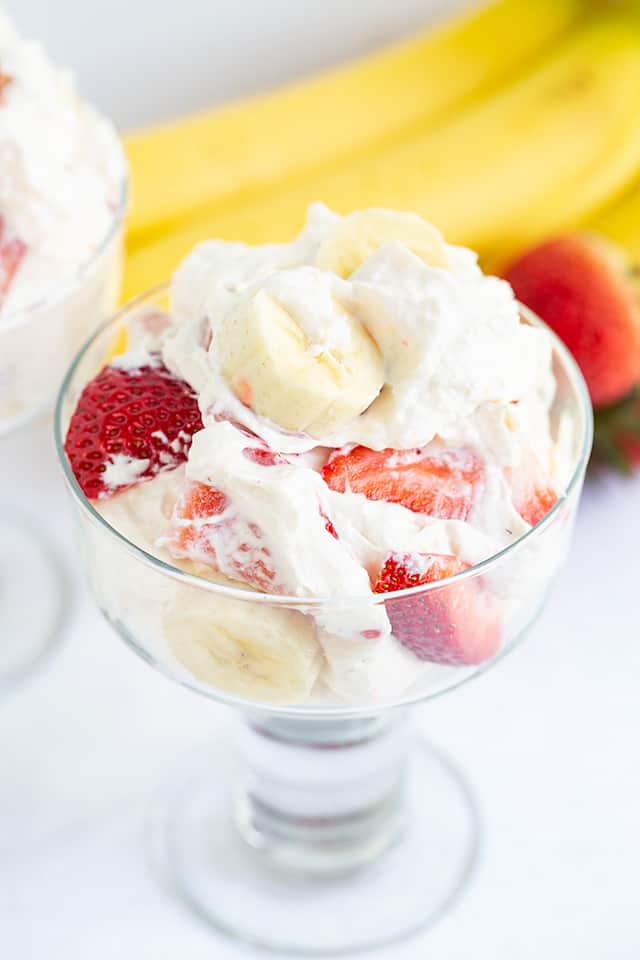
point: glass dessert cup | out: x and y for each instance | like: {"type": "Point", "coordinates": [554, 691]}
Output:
{"type": "Point", "coordinates": [338, 829]}
{"type": "Point", "coordinates": [37, 343]}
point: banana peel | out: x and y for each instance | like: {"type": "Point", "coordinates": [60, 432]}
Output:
{"type": "Point", "coordinates": [182, 166]}
{"type": "Point", "coordinates": [539, 156]}
{"type": "Point", "coordinates": [621, 222]}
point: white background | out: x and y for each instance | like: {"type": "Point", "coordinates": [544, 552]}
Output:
{"type": "Point", "coordinates": [550, 739]}
{"type": "Point", "coordinates": [141, 60]}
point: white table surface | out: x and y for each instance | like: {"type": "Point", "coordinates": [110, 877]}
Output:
{"type": "Point", "coordinates": [549, 740]}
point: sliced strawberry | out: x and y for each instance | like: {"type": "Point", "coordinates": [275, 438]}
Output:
{"type": "Point", "coordinates": [12, 250]}
{"type": "Point", "coordinates": [128, 426]}
{"type": "Point", "coordinates": [207, 528]}
{"type": "Point", "coordinates": [199, 501]}
{"type": "Point", "coordinates": [458, 624]}
{"type": "Point", "coordinates": [431, 480]}
{"type": "Point", "coordinates": [531, 490]}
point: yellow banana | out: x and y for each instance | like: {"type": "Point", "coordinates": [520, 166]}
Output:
{"type": "Point", "coordinates": [537, 157]}
{"type": "Point", "coordinates": [621, 222]}
{"type": "Point", "coordinates": [178, 167]}
{"type": "Point", "coordinates": [353, 239]}
{"type": "Point", "coordinates": [270, 655]}
{"type": "Point", "coordinates": [274, 367]}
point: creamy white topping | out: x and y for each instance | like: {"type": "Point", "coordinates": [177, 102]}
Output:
{"type": "Point", "coordinates": [121, 471]}
{"type": "Point", "coordinates": [463, 378]}
{"type": "Point", "coordinates": [62, 171]}
{"type": "Point", "coordinates": [452, 341]}
{"type": "Point", "coordinates": [287, 505]}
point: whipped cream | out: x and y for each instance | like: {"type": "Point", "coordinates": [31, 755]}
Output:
{"type": "Point", "coordinates": [62, 166]}
{"type": "Point", "coordinates": [62, 191]}
{"type": "Point", "coordinates": [452, 340]}
{"type": "Point", "coordinates": [462, 373]}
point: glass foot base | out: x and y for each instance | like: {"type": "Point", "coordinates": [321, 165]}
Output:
{"type": "Point", "coordinates": [229, 884]}
{"type": "Point", "coordinates": [31, 599]}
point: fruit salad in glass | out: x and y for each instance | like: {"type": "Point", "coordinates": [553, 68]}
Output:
{"type": "Point", "coordinates": [317, 481]}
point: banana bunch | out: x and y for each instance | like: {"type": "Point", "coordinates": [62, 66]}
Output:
{"type": "Point", "coordinates": [515, 122]}
{"type": "Point", "coordinates": [181, 167]}
{"type": "Point", "coordinates": [621, 222]}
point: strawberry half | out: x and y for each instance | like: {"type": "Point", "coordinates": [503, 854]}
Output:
{"type": "Point", "coordinates": [12, 250]}
{"type": "Point", "coordinates": [128, 426]}
{"type": "Point", "coordinates": [432, 480]}
{"type": "Point", "coordinates": [458, 624]}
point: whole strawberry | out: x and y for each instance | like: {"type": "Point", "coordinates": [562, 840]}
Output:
{"type": "Point", "coordinates": [585, 288]}
{"type": "Point", "coordinates": [128, 426]}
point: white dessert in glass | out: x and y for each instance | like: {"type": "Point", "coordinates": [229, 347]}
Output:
{"type": "Point", "coordinates": [62, 201]}
{"type": "Point", "coordinates": [323, 480]}
{"type": "Point", "coordinates": [63, 191]}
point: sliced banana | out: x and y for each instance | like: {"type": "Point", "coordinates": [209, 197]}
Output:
{"type": "Point", "coordinates": [353, 239]}
{"type": "Point", "coordinates": [259, 652]}
{"type": "Point", "coordinates": [273, 367]}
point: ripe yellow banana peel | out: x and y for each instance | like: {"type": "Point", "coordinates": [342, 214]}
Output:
{"type": "Point", "coordinates": [180, 167]}
{"type": "Point", "coordinates": [621, 222]}
{"type": "Point", "coordinates": [539, 156]}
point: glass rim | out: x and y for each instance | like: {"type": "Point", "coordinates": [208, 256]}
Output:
{"type": "Point", "coordinates": [307, 603]}
{"type": "Point", "coordinates": [73, 280]}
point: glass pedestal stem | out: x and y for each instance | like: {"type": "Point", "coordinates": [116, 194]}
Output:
{"type": "Point", "coordinates": [316, 836]}
{"type": "Point", "coordinates": [319, 796]}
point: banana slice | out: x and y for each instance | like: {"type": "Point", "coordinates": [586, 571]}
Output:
{"type": "Point", "coordinates": [352, 241]}
{"type": "Point", "coordinates": [261, 653]}
{"type": "Point", "coordinates": [273, 367]}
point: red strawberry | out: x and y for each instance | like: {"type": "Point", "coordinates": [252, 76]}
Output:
{"type": "Point", "coordinates": [582, 286]}
{"type": "Point", "coordinates": [430, 480]}
{"type": "Point", "coordinates": [204, 522]}
{"type": "Point", "coordinates": [133, 422]}
{"type": "Point", "coordinates": [533, 495]}
{"type": "Point", "coordinates": [206, 527]}
{"type": "Point", "coordinates": [198, 501]}
{"type": "Point", "coordinates": [458, 624]}
{"type": "Point", "coordinates": [12, 250]}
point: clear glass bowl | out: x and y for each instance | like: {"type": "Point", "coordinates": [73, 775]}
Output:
{"type": "Point", "coordinates": [37, 343]}
{"type": "Point", "coordinates": [334, 806]}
